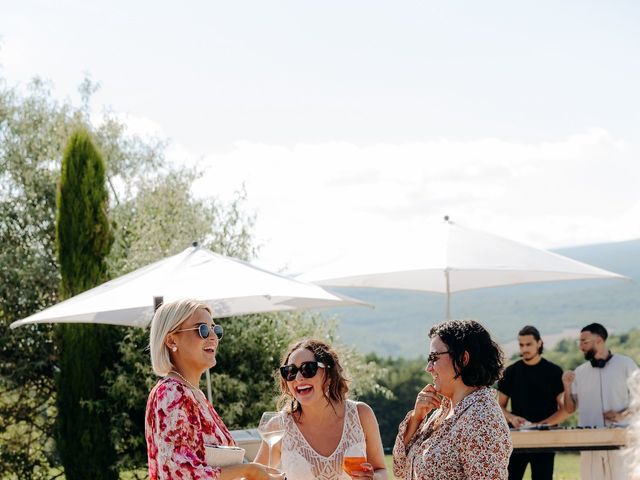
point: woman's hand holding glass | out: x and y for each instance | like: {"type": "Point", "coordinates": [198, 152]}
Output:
{"type": "Point", "coordinates": [271, 429]}
{"type": "Point", "coordinates": [354, 463]}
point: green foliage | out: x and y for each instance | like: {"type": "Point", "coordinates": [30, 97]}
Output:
{"type": "Point", "coordinates": [83, 233]}
{"type": "Point", "coordinates": [33, 130]}
{"type": "Point", "coordinates": [164, 219]}
{"type": "Point", "coordinates": [84, 239]}
{"type": "Point", "coordinates": [404, 378]}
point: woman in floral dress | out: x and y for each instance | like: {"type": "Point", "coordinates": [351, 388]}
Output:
{"type": "Point", "coordinates": [179, 420]}
{"type": "Point", "coordinates": [466, 436]}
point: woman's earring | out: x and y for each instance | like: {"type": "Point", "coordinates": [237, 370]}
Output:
{"type": "Point", "coordinates": [174, 349]}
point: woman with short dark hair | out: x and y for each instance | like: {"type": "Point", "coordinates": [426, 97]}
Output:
{"type": "Point", "coordinates": [466, 436]}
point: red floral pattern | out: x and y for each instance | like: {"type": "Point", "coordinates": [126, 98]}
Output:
{"type": "Point", "coordinates": [474, 443]}
{"type": "Point", "coordinates": [177, 425]}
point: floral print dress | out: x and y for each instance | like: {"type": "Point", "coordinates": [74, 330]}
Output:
{"type": "Point", "coordinates": [178, 423]}
{"type": "Point", "coordinates": [474, 443]}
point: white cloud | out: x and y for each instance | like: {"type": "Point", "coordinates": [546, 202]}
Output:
{"type": "Point", "coordinates": [314, 202]}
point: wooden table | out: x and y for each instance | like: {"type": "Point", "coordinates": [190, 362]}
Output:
{"type": "Point", "coordinates": [568, 439]}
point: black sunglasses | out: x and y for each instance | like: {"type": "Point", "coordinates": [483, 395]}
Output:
{"type": "Point", "coordinates": [433, 356]}
{"type": "Point", "coordinates": [204, 331]}
{"type": "Point", "coordinates": [307, 369]}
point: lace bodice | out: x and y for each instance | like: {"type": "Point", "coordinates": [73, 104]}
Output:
{"type": "Point", "coordinates": [301, 462]}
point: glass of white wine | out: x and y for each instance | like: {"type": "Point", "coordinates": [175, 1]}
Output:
{"type": "Point", "coordinates": [271, 429]}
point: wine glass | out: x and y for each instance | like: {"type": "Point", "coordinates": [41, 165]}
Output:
{"type": "Point", "coordinates": [271, 429]}
{"type": "Point", "coordinates": [353, 457]}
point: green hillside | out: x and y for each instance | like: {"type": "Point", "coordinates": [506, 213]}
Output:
{"type": "Point", "coordinates": [398, 324]}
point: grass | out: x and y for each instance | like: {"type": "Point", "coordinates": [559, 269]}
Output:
{"type": "Point", "coordinates": [567, 467]}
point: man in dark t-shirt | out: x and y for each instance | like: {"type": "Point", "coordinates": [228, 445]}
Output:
{"type": "Point", "coordinates": [534, 386]}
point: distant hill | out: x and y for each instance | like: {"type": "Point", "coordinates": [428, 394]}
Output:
{"type": "Point", "coordinates": [398, 324]}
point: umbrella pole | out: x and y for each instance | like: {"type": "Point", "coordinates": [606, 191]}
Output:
{"type": "Point", "coordinates": [209, 395]}
{"type": "Point", "coordinates": [448, 306]}
{"type": "Point", "coordinates": [448, 311]}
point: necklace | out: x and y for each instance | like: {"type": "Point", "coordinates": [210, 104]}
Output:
{"type": "Point", "coordinates": [187, 381]}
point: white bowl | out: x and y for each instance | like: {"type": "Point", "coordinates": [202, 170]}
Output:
{"type": "Point", "coordinates": [223, 456]}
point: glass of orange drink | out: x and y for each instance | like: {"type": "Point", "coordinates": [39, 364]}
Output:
{"type": "Point", "coordinates": [353, 458]}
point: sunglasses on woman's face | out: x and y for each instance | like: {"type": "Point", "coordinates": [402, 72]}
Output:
{"type": "Point", "coordinates": [204, 330]}
{"type": "Point", "coordinates": [307, 369]}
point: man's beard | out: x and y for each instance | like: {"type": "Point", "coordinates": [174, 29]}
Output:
{"type": "Point", "coordinates": [590, 354]}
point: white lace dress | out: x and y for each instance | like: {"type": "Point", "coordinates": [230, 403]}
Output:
{"type": "Point", "coordinates": [301, 462]}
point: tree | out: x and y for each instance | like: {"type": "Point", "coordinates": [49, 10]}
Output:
{"type": "Point", "coordinates": [34, 129]}
{"type": "Point", "coordinates": [84, 239]}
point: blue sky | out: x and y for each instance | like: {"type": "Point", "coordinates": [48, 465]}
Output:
{"type": "Point", "coordinates": [352, 122]}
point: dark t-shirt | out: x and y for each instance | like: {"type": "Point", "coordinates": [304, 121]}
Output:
{"type": "Point", "coordinates": [533, 389]}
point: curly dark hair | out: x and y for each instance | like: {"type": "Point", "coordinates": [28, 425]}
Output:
{"type": "Point", "coordinates": [486, 360]}
{"type": "Point", "coordinates": [322, 352]}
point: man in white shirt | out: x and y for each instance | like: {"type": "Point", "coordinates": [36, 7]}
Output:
{"type": "Point", "coordinates": [598, 388]}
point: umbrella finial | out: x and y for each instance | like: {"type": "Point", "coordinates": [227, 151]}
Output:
{"type": "Point", "coordinates": [446, 218]}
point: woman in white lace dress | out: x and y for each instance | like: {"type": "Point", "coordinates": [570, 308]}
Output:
{"type": "Point", "coordinates": [321, 424]}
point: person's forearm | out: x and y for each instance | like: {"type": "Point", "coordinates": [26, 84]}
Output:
{"type": "Point", "coordinates": [557, 417]}
{"type": "Point", "coordinates": [412, 427]}
{"type": "Point", "coordinates": [507, 414]}
{"type": "Point", "coordinates": [569, 404]}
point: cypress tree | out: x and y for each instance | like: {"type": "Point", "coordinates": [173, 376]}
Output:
{"type": "Point", "coordinates": [83, 240]}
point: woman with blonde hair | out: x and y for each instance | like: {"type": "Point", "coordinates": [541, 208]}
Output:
{"type": "Point", "coordinates": [321, 425]}
{"type": "Point", "coordinates": [179, 420]}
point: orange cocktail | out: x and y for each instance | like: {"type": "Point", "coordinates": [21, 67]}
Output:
{"type": "Point", "coordinates": [352, 464]}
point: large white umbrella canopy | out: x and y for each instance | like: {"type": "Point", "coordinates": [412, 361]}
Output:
{"type": "Point", "coordinates": [230, 286]}
{"type": "Point", "coordinates": [451, 258]}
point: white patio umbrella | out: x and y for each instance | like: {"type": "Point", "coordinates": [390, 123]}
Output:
{"type": "Point", "coordinates": [451, 259]}
{"type": "Point", "coordinates": [230, 286]}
